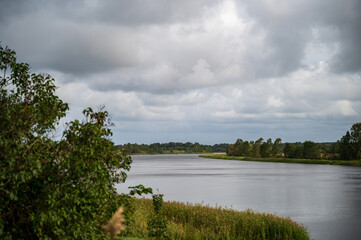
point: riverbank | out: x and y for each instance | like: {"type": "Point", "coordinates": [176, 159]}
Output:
{"type": "Point", "coordinates": [175, 152]}
{"type": "Point", "coordinates": [285, 160]}
{"type": "Point", "coordinates": [187, 221]}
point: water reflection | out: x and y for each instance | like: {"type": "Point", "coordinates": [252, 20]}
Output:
{"type": "Point", "coordinates": [326, 199]}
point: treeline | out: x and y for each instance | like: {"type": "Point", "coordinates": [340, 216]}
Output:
{"type": "Point", "coordinates": [259, 148]}
{"type": "Point", "coordinates": [347, 148]}
{"type": "Point", "coordinates": [171, 147]}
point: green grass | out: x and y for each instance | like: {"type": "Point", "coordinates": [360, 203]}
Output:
{"type": "Point", "coordinates": [285, 160]}
{"type": "Point", "coordinates": [187, 221]}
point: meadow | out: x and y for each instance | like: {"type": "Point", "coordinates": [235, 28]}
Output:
{"type": "Point", "coordinates": [286, 160]}
{"type": "Point", "coordinates": [188, 221]}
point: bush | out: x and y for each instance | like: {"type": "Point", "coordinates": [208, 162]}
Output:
{"type": "Point", "coordinates": [52, 189]}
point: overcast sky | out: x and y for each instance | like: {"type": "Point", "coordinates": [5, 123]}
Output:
{"type": "Point", "coordinates": [207, 71]}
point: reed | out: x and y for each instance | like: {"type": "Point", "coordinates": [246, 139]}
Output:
{"type": "Point", "coordinates": [188, 221]}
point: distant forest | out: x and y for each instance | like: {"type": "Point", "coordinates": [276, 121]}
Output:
{"type": "Point", "coordinates": [347, 148]}
{"type": "Point", "coordinates": [171, 147]}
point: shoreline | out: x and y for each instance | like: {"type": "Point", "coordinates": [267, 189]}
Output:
{"type": "Point", "coordinates": [355, 163]}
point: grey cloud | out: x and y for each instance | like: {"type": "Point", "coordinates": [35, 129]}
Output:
{"type": "Point", "coordinates": [150, 12]}
{"type": "Point", "coordinates": [288, 26]}
{"type": "Point", "coordinates": [11, 9]}
{"type": "Point", "coordinates": [84, 37]}
{"type": "Point", "coordinates": [349, 58]}
{"type": "Point", "coordinates": [197, 66]}
{"type": "Point", "coordinates": [125, 12]}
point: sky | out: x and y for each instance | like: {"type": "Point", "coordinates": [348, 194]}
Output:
{"type": "Point", "coordinates": [207, 71]}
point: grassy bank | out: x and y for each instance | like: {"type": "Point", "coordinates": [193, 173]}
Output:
{"type": "Point", "coordinates": [285, 160]}
{"type": "Point", "coordinates": [186, 221]}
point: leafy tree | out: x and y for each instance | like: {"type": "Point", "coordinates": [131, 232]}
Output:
{"type": "Point", "coordinates": [265, 149]}
{"type": "Point", "coordinates": [230, 150]}
{"type": "Point", "coordinates": [350, 144]}
{"type": "Point", "coordinates": [157, 226]}
{"type": "Point", "coordinates": [292, 150]}
{"type": "Point", "coordinates": [257, 148]}
{"type": "Point", "coordinates": [310, 150]}
{"type": "Point", "coordinates": [222, 147]}
{"type": "Point", "coordinates": [238, 148]}
{"type": "Point", "coordinates": [355, 137]}
{"type": "Point", "coordinates": [288, 150]}
{"type": "Point", "coordinates": [52, 189]}
{"type": "Point", "coordinates": [346, 150]}
{"type": "Point", "coordinates": [247, 148]}
{"type": "Point", "coordinates": [276, 147]}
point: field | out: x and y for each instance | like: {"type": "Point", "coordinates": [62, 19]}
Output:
{"type": "Point", "coordinates": [285, 160]}
{"type": "Point", "coordinates": [187, 221]}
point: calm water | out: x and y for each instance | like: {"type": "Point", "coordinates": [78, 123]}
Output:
{"type": "Point", "coordinates": [326, 199]}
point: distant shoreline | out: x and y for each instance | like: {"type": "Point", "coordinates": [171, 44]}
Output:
{"type": "Point", "coordinates": [356, 163]}
{"type": "Point", "coordinates": [173, 153]}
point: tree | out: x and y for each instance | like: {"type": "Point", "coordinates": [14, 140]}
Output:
{"type": "Point", "coordinates": [350, 144]}
{"type": "Point", "coordinates": [230, 150]}
{"type": "Point", "coordinates": [292, 150]}
{"type": "Point", "coordinates": [52, 189]}
{"type": "Point", "coordinates": [238, 148]}
{"type": "Point", "coordinates": [276, 147]}
{"type": "Point", "coordinates": [355, 137]}
{"type": "Point", "coordinates": [247, 149]}
{"type": "Point", "coordinates": [257, 147]}
{"type": "Point", "coordinates": [346, 147]}
{"type": "Point", "coordinates": [265, 149]}
{"type": "Point", "coordinates": [310, 150]}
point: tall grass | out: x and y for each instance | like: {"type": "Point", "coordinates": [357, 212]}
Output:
{"type": "Point", "coordinates": [187, 221]}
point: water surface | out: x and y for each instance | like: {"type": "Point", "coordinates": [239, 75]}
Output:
{"type": "Point", "coordinates": [326, 199]}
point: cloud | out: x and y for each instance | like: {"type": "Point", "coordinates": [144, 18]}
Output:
{"type": "Point", "coordinates": [212, 70]}
{"type": "Point", "coordinates": [288, 27]}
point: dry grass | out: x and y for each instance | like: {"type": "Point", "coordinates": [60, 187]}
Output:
{"type": "Point", "coordinates": [115, 224]}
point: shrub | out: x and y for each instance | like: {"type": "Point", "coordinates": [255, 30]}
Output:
{"type": "Point", "coordinates": [52, 189]}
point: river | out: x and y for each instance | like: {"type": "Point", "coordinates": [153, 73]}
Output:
{"type": "Point", "coordinates": [325, 199]}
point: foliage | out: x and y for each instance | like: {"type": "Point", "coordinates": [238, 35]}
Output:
{"type": "Point", "coordinates": [350, 144]}
{"type": "Point", "coordinates": [255, 149]}
{"type": "Point", "coordinates": [52, 189]}
{"type": "Point", "coordinates": [347, 148]}
{"type": "Point", "coordinates": [127, 201]}
{"type": "Point", "coordinates": [171, 147]}
{"type": "Point", "coordinates": [187, 221]}
{"type": "Point", "coordinates": [276, 147]}
{"type": "Point", "coordinates": [293, 150]}
{"type": "Point", "coordinates": [266, 148]}
{"type": "Point", "coordinates": [157, 226]}
{"type": "Point", "coordinates": [139, 190]}
{"type": "Point", "coordinates": [310, 150]}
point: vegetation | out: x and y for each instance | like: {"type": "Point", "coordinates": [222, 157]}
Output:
{"type": "Point", "coordinates": [258, 148]}
{"type": "Point", "coordinates": [348, 148]}
{"type": "Point", "coordinates": [157, 226]}
{"type": "Point", "coordinates": [286, 160]}
{"type": "Point", "coordinates": [187, 221]}
{"type": "Point", "coordinates": [171, 147]}
{"type": "Point", "coordinates": [52, 189]}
